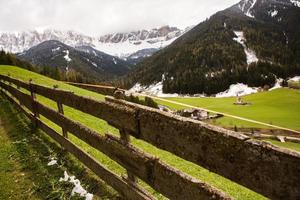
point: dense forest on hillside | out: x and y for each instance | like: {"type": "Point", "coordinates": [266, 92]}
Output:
{"type": "Point", "coordinates": [208, 60]}
{"type": "Point", "coordinates": [52, 72]}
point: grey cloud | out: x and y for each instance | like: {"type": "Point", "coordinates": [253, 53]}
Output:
{"type": "Point", "coordinates": [95, 17]}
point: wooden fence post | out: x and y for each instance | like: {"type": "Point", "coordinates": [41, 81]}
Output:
{"type": "Point", "coordinates": [9, 83]}
{"type": "Point", "coordinates": [33, 96]}
{"type": "Point", "coordinates": [61, 111]}
{"type": "Point", "coordinates": [125, 137]}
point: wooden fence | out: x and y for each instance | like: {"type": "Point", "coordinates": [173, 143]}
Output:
{"type": "Point", "coordinates": [106, 90]}
{"type": "Point", "coordinates": [266, 169]}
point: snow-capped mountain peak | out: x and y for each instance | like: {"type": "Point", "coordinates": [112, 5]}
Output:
{"type": "Point", "coordinates": [117, 44]}
{"type": "Point", "coordinates": [125, 44]}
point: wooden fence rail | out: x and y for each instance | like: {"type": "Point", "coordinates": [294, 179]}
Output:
{"type": "Point", "coordinates": [106, 90]}
{"type": "Point", "coordinates": [266, 169]}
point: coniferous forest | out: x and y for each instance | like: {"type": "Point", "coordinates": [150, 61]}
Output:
{"type": "Point", "coordinates": [208, 60]}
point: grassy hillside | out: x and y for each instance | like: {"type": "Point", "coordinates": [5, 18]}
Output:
{"type": "Point", "coordinates": [233, 189]}
{"type": "Point", "coordinates": [278, 107]}
{"type": "Point", "coordinates": [25, 153]}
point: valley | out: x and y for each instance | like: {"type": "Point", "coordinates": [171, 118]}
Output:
{"type": "Point", "coordinates": [275, 107]}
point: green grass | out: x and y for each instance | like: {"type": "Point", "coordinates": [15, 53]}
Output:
{"type": "Point", "coordinates": [24, 154]}
{"type": "Point", "coordinates": [287, 145]}
{"type": "Point", "coordinates": [231, 188]}
{"type": "Point", "coordinates": [25, 75]}
{"type": "Point", "coordinates": [13, 181]}
{"type": "Point", "coordinates": [279, 107]}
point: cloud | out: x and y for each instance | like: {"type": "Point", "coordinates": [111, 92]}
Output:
{"type": "Point", "coordinates": [96, 17]}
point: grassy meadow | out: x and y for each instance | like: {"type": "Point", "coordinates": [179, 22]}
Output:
{"type": "Point", "coordinates": [277, 107]}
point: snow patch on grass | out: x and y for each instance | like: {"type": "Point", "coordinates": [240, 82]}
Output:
{"type": "Point", "coordinates": [153, 90]}
{"type": "Point", "coordinates": [52, 162]}
{"type": "Point", "coordinates": [78, 189]}
{"type": "Point", "coordinates": [277, 85]}
{"type": "Point", "coordinates": [238, 89]}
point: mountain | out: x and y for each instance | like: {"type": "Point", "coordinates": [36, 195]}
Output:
{"type": "Point", "coordinates": [253, 42]}
{"type": "Point", "coordinates": [17, 42]}
{"type": "Point", "coordinates": [117, 44]}
{"type": "Point", "coordinates": [140, 55]}
{"type": "Point", "coordinates": [126, 44]}
{"type": "Point", "coordinates": [93, 65]}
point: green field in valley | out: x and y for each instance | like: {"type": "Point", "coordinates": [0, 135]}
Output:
{"type": "Point", "coordinates": [277, 107]}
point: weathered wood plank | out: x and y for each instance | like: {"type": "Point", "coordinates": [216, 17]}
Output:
{"type": "Point", "coordinates": [105, 90]}
{"type": "Point", "coordinates": [61, 111]}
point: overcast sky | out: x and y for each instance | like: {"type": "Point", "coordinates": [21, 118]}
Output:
{"type": "Point", "coordinates": [97, 17]}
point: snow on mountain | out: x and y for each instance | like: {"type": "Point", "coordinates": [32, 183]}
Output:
{"type": "Point", "coordinates": [118, 44]}
{"type": "Point", "coordinates": [251, 56]}
{"type": "Point", "coordinates": [296, 3]}
{"type": "Point", "coordinates": [125, 44]}
{"type": "Point", "coordinates": [250, 7]}
{"type": "Point", "coordinates": [66, 57]}
{"type": "Point", "coordinates": [125, 49]}
{"type": "Point", "coordinates": [246, 6]}
{"type": "Point", "coordinates": [17, 42]}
